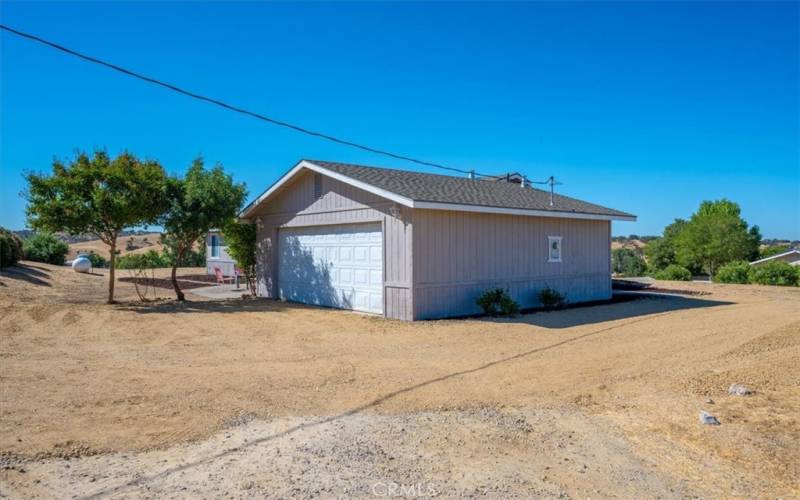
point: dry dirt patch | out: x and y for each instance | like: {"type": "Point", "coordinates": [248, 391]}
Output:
{"type": "Point", "coordinates": [135, 382]}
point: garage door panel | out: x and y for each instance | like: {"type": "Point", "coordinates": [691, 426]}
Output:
{"type": "Point", "coordinates": [335, 266]}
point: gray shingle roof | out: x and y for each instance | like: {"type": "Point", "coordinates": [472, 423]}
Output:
{"type": "Point", "coordinates": [436, 188]}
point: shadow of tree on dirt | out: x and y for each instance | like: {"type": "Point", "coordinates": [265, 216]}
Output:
{"type": "Point", "coordinates": [28, 273]}
{"type": "Point", "coordinates": [171, 306]}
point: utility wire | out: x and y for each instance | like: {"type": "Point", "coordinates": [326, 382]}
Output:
{"type": "Point", "coordinates": [231, 107]}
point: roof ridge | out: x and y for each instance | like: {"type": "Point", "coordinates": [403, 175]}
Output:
{"type": "Point", "coordinates": [493, 181]}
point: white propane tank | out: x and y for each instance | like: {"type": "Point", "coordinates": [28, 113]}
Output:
{"type": "Point", "coordinates": [82, 264]}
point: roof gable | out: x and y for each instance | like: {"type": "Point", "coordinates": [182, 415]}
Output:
{"type": "Point", "coordinates": [442, 192]}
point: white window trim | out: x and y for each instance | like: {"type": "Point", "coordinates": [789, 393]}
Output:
{"type": "Point", "coordinates": [550, 241]}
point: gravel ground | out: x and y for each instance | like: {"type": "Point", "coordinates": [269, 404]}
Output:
{"type": "Point", "coordinates": [143, 400]}
{"type": "Point", "coordinates": [475, 453]}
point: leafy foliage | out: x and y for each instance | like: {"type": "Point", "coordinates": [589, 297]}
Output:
{"type": "Point", "coordinates": [734, 272]}
{"type": "Point", "coordinates": [97, 195]}
{"type": "Point", "coordinates": [674, 272]}
{"type": "Point", "coordinates": [202, 200]}
{"type": "Point", "coordinates": [715, 235]}
{"type": "Point", "coordinates": [241, 242]}
{"type": "Point", "coordinates": [497, 302]}
{"type": "Point", "coordinates": [10, 248]}
{"type": "Point", "coordinates": [45, 247]}
{"type": "Point", "coordinates": [190, 257]}
{"type": "Point", "coordinates": [775, 273]}
{"type": "Point", "coordinates": [96, 260]}
{"type": "Point", "coordinates": [627, 262]}
{"type": "Point", "coordinates": [150, 259]}
{"type": "Point", "coordinates": [552, 299]}
{"type": "Point", "coordinates": [661, 252]}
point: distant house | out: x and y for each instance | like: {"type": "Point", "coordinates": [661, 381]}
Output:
{"type": "Point", "coordinates": [791, 256]}
{"type": "Point", "coordinates": [411, 245]}
{"type": "Point", "coordinates": [217, 254]}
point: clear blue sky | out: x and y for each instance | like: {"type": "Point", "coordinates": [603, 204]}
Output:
{"type": "Point", "coordinates": [644, 107]}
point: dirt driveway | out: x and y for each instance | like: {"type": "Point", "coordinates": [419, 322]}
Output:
{"type": "Point", "coordinates": [253, 398]}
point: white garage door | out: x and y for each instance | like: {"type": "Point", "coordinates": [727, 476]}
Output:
{"type": "Point", "coordinates": [334, 266]}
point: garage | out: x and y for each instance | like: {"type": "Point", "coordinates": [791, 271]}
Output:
{"type": "Point", "coordinates": [337, 266]}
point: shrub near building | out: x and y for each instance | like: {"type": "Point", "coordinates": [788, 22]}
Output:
{"type": "Point", "coordinates": [775, 273]}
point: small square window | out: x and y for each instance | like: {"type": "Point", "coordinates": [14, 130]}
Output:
{"type": "Point", "coordinates": [554, 249]}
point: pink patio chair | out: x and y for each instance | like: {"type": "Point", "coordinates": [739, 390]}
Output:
{"type": "Point", "coordinates": [221, 279]}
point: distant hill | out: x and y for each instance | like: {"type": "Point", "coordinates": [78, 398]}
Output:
{"type": "Point", "coordinates": [77, 238]}
{"type": "Point", "coordinates": [133, 243]}
{"type": "Point", "coordinates": [633, 242]}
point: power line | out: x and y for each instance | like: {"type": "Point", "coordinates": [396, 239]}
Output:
{"type": "Point", "coordinates": [231, 107]}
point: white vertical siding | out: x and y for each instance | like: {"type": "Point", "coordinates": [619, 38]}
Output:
{"type": "Point", "coordinates": [458, 255]}
{"type": "Point", "coordinates": [437, 262]}
{"type": "Point", "coordinates": [339, 203]}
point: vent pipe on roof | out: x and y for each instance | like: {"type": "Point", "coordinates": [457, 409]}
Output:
{"type": "Point", "coordinates": [471, 174]}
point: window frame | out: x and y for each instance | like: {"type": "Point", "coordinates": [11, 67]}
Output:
{"type": "Point", "coordinates": [550, 241]}
{"type": "Point", "coordinates": [214, 246]}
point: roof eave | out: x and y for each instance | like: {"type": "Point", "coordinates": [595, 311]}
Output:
{"type": "Point", "coordinates": [521, 211]}
{"type": "Point", "coordinates": [249, 210]}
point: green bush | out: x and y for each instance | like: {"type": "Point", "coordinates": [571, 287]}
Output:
{"type": "Point", "coordinates": [96, 260]}
{"type": "Point", "coordinates": [673, 272]}
{"type": "Point", "coordinates": [627, 262]}
{"type": "Point", "coordinates": [148, 260]}
{"type": "Point", "coordinates": [775, 273]}
{"type": "Point", "coordinates": [10, 248]}
{"type": "Point", "coordinates": [191, 258]}
{"type": "Point", "coordinates": [497, 302]}
{"type": "Point", "coordinates": [552, 299]}
{"type": "Point", "coordinates": [151, 259]}
{"type": "Point", "coordinates": [734, 272]}
{"type": "Point", "coordinates": [44, 247]}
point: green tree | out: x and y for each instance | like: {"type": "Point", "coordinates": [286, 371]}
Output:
{"type": "Point", "coordinates": [202, 200]}
{"type": "Point", "coordinates": [627, 262]}
{"type": "Point", "coordinates": [45, 247]}
{"type": "Point", "coordinates": [10, 248]}
{"type": "Point", "coordinates": [98, 195]}
{"type": "Point", "coordinates": [715, 235]}
{"type": "Point", "coordinates": [240, 239]}
{"type": "Point", "coordinates": [660, 252]}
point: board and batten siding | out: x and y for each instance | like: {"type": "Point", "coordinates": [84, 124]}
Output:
{"type": "Point", "coordinates": [458, 255]}
{"type": "Point", "coordinates": [297, 205]}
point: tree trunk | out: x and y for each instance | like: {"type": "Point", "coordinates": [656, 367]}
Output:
{"type": "Point", "coordinates": [111, 260]}
{"type": "Point", "coordinates": [178, 293]}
